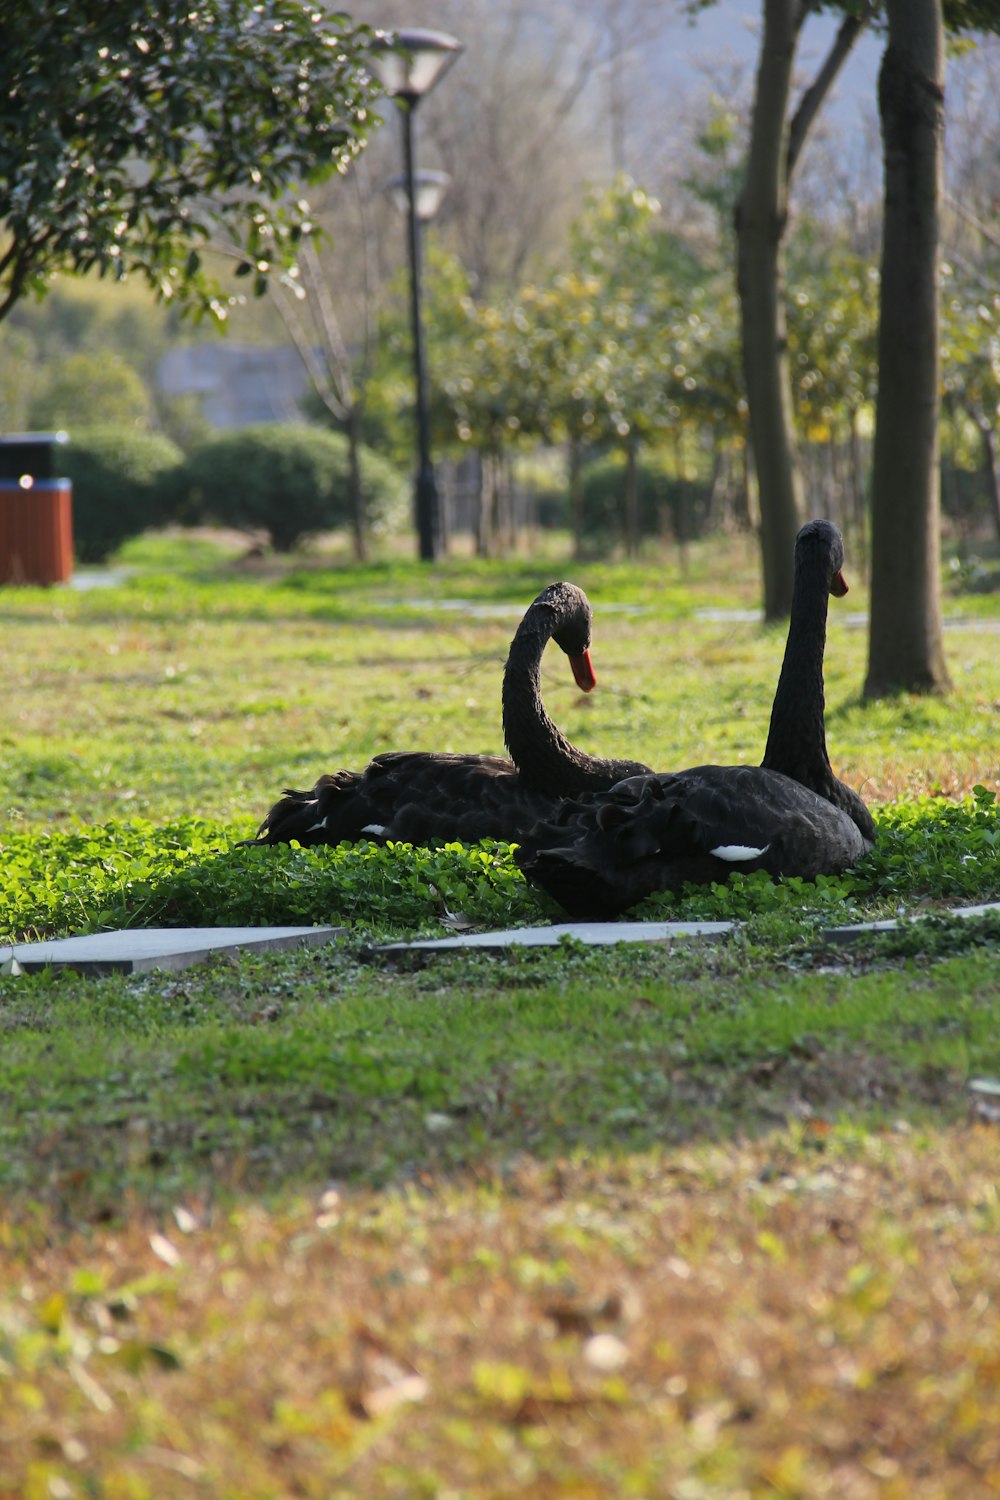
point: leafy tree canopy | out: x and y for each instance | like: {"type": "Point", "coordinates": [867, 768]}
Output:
{"type": "Point", "coordinates": [131, 133]}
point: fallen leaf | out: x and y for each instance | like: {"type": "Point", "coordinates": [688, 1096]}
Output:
{"type": "Point", "coordinates": [380, 1380]}
{"type": "Point", "coordinates": [184, 1219]}
{"type": "Point", "coordinates": [605, 1352]}
{"type": "Point", "coordinates": [456, 920]}
{"type": "Point", "coordinates": [161, 1246]}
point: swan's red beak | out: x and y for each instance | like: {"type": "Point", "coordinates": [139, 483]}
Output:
{"type": "Point", "coordinates": [838, 588]}
{"type": "Point", "coordinates": [583, 671]}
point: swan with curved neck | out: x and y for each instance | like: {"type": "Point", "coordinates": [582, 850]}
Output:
{"type": "Point", "coordinates": [543, 755]}
{"type": "Point", "coordinates": [601, 854]}
{"type": "Point", "coordinates": [427, 796]}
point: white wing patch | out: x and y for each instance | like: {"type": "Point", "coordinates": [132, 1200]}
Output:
{"type": "Point", "coordinates": [378, 829]}
{"type": "Point", "coordinates": [313, 826]}
{"type": "Point", "coordinates": [737, 854]}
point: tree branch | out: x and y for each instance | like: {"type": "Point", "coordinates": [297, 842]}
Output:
{"type": "Point", "coordinates": [325, 316]}
{"type": "Point", "coordinates": [18, 258]}
{"type": "Point", "coordinates": [318, 369]}
{"type": "Point", "coordinates": [988, 234]}
{"type": "Point", "coordinates": [809, 105]}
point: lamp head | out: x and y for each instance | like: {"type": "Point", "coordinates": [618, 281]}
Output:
{"type": "Point", "coordinates": [408, 63]}
{"type": "Point", "coordinates": [429, 189]}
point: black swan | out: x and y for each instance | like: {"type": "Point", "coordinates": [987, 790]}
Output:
{"type": "Point", "coordinates": [425, 797]}
{"type": "Point", "coordinates": [796, 738]}
{"type": "Point", "coordinates": [601, 854]}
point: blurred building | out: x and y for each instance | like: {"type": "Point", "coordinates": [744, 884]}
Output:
{"type": "Point", "coordinates": [237, 384]}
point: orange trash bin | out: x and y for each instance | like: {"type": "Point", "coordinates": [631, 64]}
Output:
{"type": "Point", "coordinates": [36, 510]}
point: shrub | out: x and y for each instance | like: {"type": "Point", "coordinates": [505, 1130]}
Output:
{"type": "Point", "coordinates": [665, 502]}
{"type": "Point", "coordinates": [120, 478]}
{"type": "Point", "coordinates": [541, 478]}
{"type": "Point", "coordinates": [288, 481]}
{"type": "Point", "coordinates": [90, 389]}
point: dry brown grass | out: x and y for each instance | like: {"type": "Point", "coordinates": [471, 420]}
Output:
{"type": "Point", "coordinates": [812, 1315]}
{"type": "Point", "coordinates": [943, 776]}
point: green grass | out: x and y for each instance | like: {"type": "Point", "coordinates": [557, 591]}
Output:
{"type": "Point", "coordinates": [341, 1221]}
{"type": "Point", "coordinates": [338, 1063]}
{"type": "Point", "coordinates": [204, 690]}
{"type": "Point", "coordinates": [154, 722]}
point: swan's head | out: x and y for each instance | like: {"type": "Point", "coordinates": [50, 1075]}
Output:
{"type": "Point", "coordinates": [571, 617]}
{"type": "Point", "coordinates": [819, 548]}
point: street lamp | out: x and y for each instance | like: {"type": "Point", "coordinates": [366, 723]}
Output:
{"type": "Point", "coordinates": [408, 64]}
{"type": "Point", "coordinates": [430, 188]}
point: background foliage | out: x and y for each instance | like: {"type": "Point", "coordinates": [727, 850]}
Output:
{"type": "Point", "coordinates": [121, 485]}
{"type": "Point", "coordinates": [286, 481]}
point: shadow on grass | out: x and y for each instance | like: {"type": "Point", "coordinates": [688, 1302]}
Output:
{"type": "Point", "coordinates": [283, 1072]}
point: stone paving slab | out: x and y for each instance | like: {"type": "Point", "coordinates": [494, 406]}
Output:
{"type": "Point", "coordinates": [863, 929]}
{"type": "Point", "coordinates": [591, 933]}
{"type": "Point", "coordinates": [135, 950]}
{"type": "Point", "coordinates": [598, 933]}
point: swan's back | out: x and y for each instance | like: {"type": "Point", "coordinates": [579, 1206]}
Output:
{"type": "Point", "coordinates": [414, 797]}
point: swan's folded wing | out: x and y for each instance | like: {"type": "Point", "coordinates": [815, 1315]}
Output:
{"type": "Point", "coordinates": [602, 854]}
{"type": "Point", "coordinates": [415, 797]}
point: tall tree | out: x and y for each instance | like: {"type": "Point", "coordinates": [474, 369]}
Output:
{"type": "Point", "coordinates": [133, 132]}
{"type": "Point", "coordinates": [906, 651]}
{"type": "Point", "coordinates": [775, 146]}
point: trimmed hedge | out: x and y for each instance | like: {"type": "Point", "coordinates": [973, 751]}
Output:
{"type": "Point", "coordinates": [121, 483]}
{"type": "Point", "coordinates": [287, 481]}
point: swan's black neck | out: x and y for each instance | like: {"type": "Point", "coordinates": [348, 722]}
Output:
{"type": "Point", "coordinates": [796, 740]}
{"type": "Point", "coordinates": [543, 755]}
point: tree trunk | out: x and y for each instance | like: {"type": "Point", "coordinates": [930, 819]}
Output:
{"type": "Point", "coordinates": [576, 496]}
{"type": "Point", "coordinates": [506, 505]}
{"type": "Point", "coordinates": [761, 214]}
{"type": "Point", "coordinates": [743, 502]}
{"type": "Point", "coordinates": [718, 489]}
{"type": "Point", "coordinates": [858, 509]}
{"type": "Point", "coordinates": [991, 470]}
{"type": "Point", "coordinates": [905, 649]}
{"type": "Point", "coordinates": [631, 502]}
{"type": "Point", "coordinates": [682, 518]}
{"type": "Point", "coordinates": [486, 528]}
{"type": "Point", "coordinates": [359, 528]}
{"type": "Point", "coordinates": [760, 224]}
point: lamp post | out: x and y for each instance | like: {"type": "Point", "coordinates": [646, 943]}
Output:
{"type": "Point", "coordinates": [409, 64]}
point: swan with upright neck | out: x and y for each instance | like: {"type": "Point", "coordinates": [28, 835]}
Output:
{"type": "Point", "coordinates": [426, 797]}
{"type": "Point", "coordinates": [796, 737]}
{"type": "Point", "coordinates": [601, 854]}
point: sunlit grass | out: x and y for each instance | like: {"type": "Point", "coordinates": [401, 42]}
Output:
{"type": "Point", "coordinates": [207, 689]}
